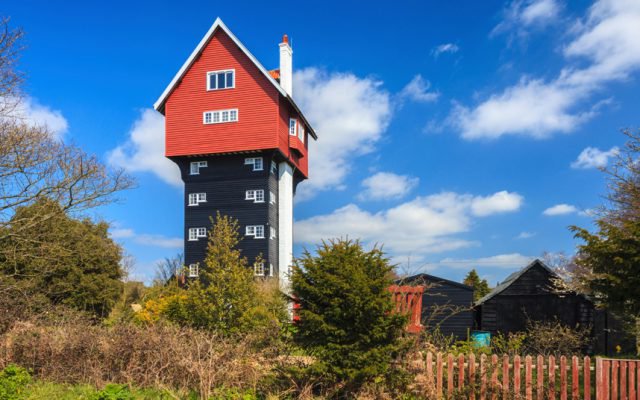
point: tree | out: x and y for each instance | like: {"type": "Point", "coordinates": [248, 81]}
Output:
{"type": "Point", "coordinates": [224, 298]}
{"type": "Point", "coordinates": [480, 286]}
{"type": "Point", "coordinates": [66, 261]}
{"type": "Point", "coordinates": [35, 165]}
{"type": "Point", "coordinates": [345, 312]}
{"type": "Point", "coordinates": [169, 268]}
{"type": "Point", "coordinates": [609, 259]}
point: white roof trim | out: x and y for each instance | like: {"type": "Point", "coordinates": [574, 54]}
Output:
{"type": "Point", "coordinates": [159, 104]}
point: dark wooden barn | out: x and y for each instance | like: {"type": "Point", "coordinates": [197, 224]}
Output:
{"type": "Point", "coordinates": [445, 304]}
{"type": "Point", "coordinates": [533, 294]}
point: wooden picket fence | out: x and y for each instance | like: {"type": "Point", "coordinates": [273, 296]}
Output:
{"type": "Point", "coordinates": [494, 378]}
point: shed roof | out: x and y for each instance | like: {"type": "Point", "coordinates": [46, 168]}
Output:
{"type": "Point", "coordinates": [513, 277]}
{"type": "Point", "coordinates": [436, 279]}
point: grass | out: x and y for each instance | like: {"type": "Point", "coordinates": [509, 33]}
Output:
{"type": "Point", "coordinates": [39, 390]}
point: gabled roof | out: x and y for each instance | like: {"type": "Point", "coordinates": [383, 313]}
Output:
{"type": "Point", "coordinates": [514, 277]}
{"type": "Point", "coordinates": [218, 24]}
{"type": "Point", "coordinates": [435, 279]}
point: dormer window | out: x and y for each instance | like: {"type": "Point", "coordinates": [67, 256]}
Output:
{"type": "Point", "coordinates": [293, 126]}
{"type": "Point", "coordinates": [217, 80]}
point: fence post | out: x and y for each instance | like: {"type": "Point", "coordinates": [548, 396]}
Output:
{"type": "Point", "coordinates": [505, 377]}
{"type": "Point", "coordinates": [430, 381]}
{"type": "Point", "coordinates": [552, 378]}
{"type": "Point", "coordinates": [614, 380]}
{"type": "Point", "coordinates": [586, 377]}
{"type": "Point", "coordinates": [449, 375]}
{"type": "Point", "coordinates": [472, 376]}
{"type": "Point", "coordinates": [483, 377]}
{"type": "Point", "coordinates": [516, 377]}
{"type": "Point", "coordinates": [540, 378]}
{"type": "Point", "coordinates": [623, 380]}
{"type": "Point", "coordinates": [460, 372]}
{"type": "Point", "coordinates": [575, 376]}
{"type": "Point", "coordinates": [632, 380]}
{"type": "Point", "coordinates": [599, 379]}
{"type": "Point", "coordinates": [563, 378]}
{"type": "Point", "coordinates": [494, 377]}
{"type": "Point", "coordinates": [606, 373]}
{"type": "Point", "coordinates": [439, 375]}
{"type": "Point", "coordinates": [528, 377]}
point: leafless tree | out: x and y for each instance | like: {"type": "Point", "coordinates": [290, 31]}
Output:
{"type": "Point", "coordinates": [169, 268]}
{"type": "Point", "coordinates": [10, 77]}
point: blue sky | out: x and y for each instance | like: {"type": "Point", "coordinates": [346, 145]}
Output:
{"type": "Point", "coordinates": [459, 135]}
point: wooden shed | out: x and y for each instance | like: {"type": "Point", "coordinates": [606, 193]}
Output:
{"type": "Point", "coordinates": [532, 294]}
{"type": "Point", "coordinates": [446, 305]}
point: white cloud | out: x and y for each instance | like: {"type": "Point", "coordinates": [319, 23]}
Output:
{"type": "Point", "coordinates": [418, 90]}
{"type": "Point", "coordinates": [146, 239]}
{"type": "Point", "coordinates": [507, 261]}
{"type": "Point", "coordinates": [525, 235]}
{"type": "Point", "coordinates": [445, 48]}
{"type": "Point", "coordinates": [30, 111]}
{"type": "Point", "coordinates": [421, 226]}
{"type": "Point", "coordinates": [496, 203]}
{"type": "Point", "coordinates": [592, 157]}
{"type": "Point", "coordinates": [560, 209]}
{"type": "Point", "coordinates": [144, 150]}
{"type": "Point", "coordinates": [387, 185]}
{"type": "Point", "coordinates": [606, 39]}
{"type": "Point", "coordinates": [521, 16]}
{"type": "Point", "coordinates": [350, 115]}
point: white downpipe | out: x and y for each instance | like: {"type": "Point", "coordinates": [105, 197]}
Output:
{"type": "Point", "coordinates": [285, 225]}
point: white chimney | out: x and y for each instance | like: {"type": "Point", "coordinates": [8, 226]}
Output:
{"type": "Point", "coordinates": [286, 66]}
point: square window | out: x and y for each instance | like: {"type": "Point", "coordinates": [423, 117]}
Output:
{"type": "Point", "coordinates": [220, 80]}
{"type": "Point", "coordinates": [274, 167]}
{"type": "Point", "coordinates": [233, 115]}
{"type": "Point", "coordinates": [258, 269]}
{"type": "Point", "coordinates": [193, 234]}
{"type": "Point", "coordinates": [272, 232]}
{"type": "Point", "coordinates": [257, 164]}
{"type": "Point", "coordinates": [193, 270]}
{"type": "Point", "coordinates": [207, 118]}
{"type": "Point", "coordinates": [225, 116]}
{"type": "Point", "coordinates": [259, 196]}
{"type": "Point", "coordinates": [194, 167]}
{"type": "Point", "coordinates": [272, 198]}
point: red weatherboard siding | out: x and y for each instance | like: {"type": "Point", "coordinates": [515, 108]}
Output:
{"type": "Point", "coordinates": [263, 113]}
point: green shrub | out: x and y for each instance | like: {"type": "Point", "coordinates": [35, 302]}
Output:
{"type": "Point", "coordinates": [114, 392]}
{"type": "Point", "coordinates": [346, 318]}
{"type": "Point", "coordinates": [13, 382]}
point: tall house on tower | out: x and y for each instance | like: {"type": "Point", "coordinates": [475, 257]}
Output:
{"type": "Point", "coordinates": [241, 144]}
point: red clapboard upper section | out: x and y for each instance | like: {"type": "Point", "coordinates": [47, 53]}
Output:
{"type": "Point", "coordinates": [264, 109]}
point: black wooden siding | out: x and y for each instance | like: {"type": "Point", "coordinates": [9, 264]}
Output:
{"type": "Point", "coordinates": [446, 305]}
{"type": "Point", "coordinates": [225, 180]}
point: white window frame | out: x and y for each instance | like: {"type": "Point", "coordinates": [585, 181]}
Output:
{"type": "Point", "coordinates": [218, 116]}
{"type": "Point", "coordinates": [258, 269]}
{"type": "Point", "coordinates": [270, 269]}
{"type": "Point", "coordinates": [272, 232]}
{"type": "Point", "coordinates": [256, 163]}
{"type": "Point", "coordinates": [274, 167]}
{"type": "Point", "coordinates": [272, 198]}
{"type": "Point", "coordinates": [197, 198]}
{"type": "Point", "coordinates": [293, 127]}
{"type": "Point", "coordinates": [197, 233]}
{"type": "Point", "coordinates": [257, 195]}
{"type": "Point", "coordinates": [216, 73]}
{"type": "Point", "coordinates": [194, 167]}
{"type": "Point", "coordinates": [193, 271]}
{"type": "Point", "coordinates": [257, 231]}
{"type": "Point", "coordinates": [301, 133]}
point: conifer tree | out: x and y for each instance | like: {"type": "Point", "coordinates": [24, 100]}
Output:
{"type": "Point", "coordinates": [480, 286]}
{"type": "Point", "coordinates": [346, 317]}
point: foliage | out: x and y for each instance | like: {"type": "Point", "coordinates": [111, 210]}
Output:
{"type": "Point", "coordinates": [554, 338]}
{"type": "Point", "coordinates": [226, 298]}
{"type": "Point", "coordinates": [13, 381]}
{"type": "Point", "coordinates": [480, 286]}
{"type": "Point", "coordinates": [67, 261]}
{"type": "Point", "coordinates": [610, 257]}
{"type": "Point", "coordinates": [346, 316]}
{"type": "Point", "coordinates": [114, 392]}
